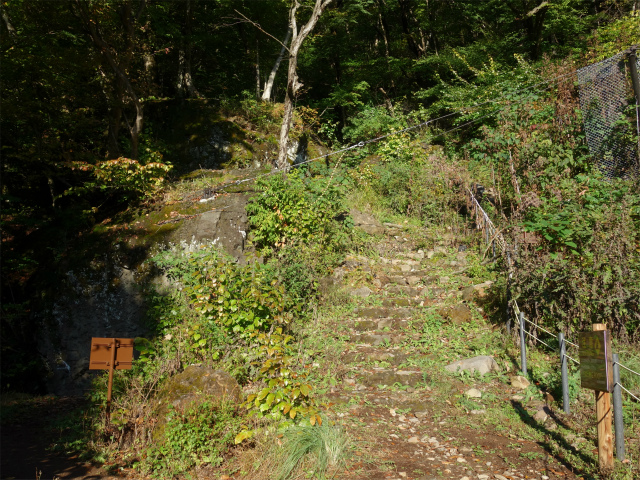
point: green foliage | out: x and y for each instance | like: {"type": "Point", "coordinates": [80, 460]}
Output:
{"type": "Point", "coordinates": [124, 176]}
{"type": "Point", "coordinates": [199, 435]}
{"type": "Point", "coordinates": [291, 209]}
{"type": "Point", "coordinates": [286, 395]}
{"type": "Point", "coordinates": [326, 443]}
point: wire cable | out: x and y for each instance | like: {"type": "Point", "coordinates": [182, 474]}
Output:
{"type": "Point", "coordinates": [620, 385]}
{"type": "Point", "coordinates": [627, 368]}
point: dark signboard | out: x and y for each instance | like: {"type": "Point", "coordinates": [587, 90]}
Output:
{"type": "Point", "coordinates": [596, 361]}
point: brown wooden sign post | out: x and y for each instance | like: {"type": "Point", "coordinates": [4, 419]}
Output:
{"type": "Point", "coordinates": [596, 372]}
{"type": "Point", "coordinates": [111, 354]}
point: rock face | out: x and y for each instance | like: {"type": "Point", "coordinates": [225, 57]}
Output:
{"type": "Point", "coordinates": [366, 222]}
{"type": "Point", "coordinates": [101, 299]}
{"type": "Point", "coordinates": [104, 297]}
{"type": "Point", "coordinates": [195, 385]}
{"type": "Point", "coordinates": [482, 364]}
{"type": "Point", "coordinates": [226, 227]}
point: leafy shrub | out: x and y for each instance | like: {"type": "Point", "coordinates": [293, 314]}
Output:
{"type": "Point", "coordinates": [196, 436]}
{"type": "Point", "coordinates": [291, 209]}
{"type": "Point", "coordinates": [587, 267]}
{"type": "Point", "coordinates": [125, 176]}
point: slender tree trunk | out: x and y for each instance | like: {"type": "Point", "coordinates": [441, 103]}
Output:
{"type": "Point", "coordinates": [292, 77]}
{"type": "Point", "coordinates": [185, 84]}
{"type": "Point", "coordinates": [268, 86]}
{"type": "Point", "coordinates": [7, 22]}
{"type": "Point", "coordinates": [119, 69]}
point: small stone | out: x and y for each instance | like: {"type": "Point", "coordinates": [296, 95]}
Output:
{"type": "Point", "coordinates": [410, 389]}
{"type": "Point", "coordinates": [517, 398]}
{"type": "Point", "coordinates": [413, 440]}
{"type": "Point", "coordinates": [403, 474]}
{"type": "Point", "coordinates": [362, 292]}
{"type": "Point", "coordinates": [500, 477]}
{"type": "Point", "coordinates": [540, 416]}
{"type": "Point", "coordinates": [483, 476]}
{"type": "Point", "coordinates": [420, 414]}
{"type": "Point", "coordinates": [461, 460]}
{"type": "Point", "coordinates": [392, 412]}
{"type": "Point", "coordinates": [473, 393]}
{"type": "Point", "coordinates": [478, 412]}
{"type": "Point", "coordinates": [520, 382]}
{"type": "Point", "coordinates": [544, 477]}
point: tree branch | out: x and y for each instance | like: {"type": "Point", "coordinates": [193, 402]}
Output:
{"type": "Point", "coordinates": [257, 25]}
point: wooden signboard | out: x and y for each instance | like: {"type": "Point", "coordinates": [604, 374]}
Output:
{"type": "Point", "coordinates": [596, 361]}
{"type": "Point", "coordinates": [111, 354]}
{"type": "Point", "coordinates": [101, 352]}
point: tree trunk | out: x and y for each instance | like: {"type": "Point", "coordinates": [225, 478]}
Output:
{"type": "Point", "coordinates": [7, 22]}
{"type": "Point", "coordinates": [268, 86]}
{"type": "Point", "coordinates": [122, 81]}
{"type": "Point", "coordinates": [292, 77]}
{"type": "Point", "coordinates": [185, 84]}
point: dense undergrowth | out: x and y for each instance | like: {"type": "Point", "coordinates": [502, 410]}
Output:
{"type": "Point", "coordinates": [250, 320]}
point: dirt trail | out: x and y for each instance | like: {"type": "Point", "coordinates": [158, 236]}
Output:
{"type": "Point", "coordinates": [28, 442]}
{"type": "Point", "coordinates": [407, 430]}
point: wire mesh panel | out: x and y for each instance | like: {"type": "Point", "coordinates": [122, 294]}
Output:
{"type": "Point", "coordinates": [608, 106]}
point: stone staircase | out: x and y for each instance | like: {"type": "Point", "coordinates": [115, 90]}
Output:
{"type": "Point", "coordinates": [404, 428]}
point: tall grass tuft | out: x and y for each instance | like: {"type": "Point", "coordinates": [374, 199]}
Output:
{"type": "Point", "coordinates": [319, 447]}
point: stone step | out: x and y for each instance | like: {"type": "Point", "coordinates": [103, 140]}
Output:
{"type": "Point", "coordinates": [406, 302]}
{"type": "Point", "coordinates": [369, 325]}
{"type": "Point", "coordinates": [368, 354]}
{"type": "Point", "coordinates": [391, 377]}
{"type": "Point", "coordinates": [405, 290]}
{"type": "Point", "coordinates": [383, 312]}
{"type": "Point", "coordinates": [377, 338]}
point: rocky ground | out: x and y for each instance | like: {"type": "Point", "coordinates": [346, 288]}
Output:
{"type": "Point", "coordinates": [409, 417]}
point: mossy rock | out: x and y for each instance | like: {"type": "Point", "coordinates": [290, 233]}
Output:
{"type": "Point", "coordinates": [195, 385]}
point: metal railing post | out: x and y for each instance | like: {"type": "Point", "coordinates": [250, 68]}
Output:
{"type": "Point", "coordinates": [523, 345]}
{"type": "Point", "coordinates": [617, 409]}
{"type": "Point", "coordinates": [565, 373]}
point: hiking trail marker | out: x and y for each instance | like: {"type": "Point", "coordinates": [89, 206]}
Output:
{"type": "Point", "coordinates": [596, 373]}
{"type": "Point", "coordinates": [111, 354]}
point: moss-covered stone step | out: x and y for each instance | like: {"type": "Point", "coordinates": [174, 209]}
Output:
{"type": "Point", "coordinates": [391, 377]}
{"type": "Point", "coordinates": [406, 302]}
{"type": "Point", "coordinates": [374, 339]}
{"type": "Point", "coordinates": [390, 323]}
{"type": "Point", "coordinates": [367, 354]}
{"type": "Point", "coordinates": [383, 312]}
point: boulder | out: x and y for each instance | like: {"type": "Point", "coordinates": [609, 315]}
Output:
{"type": "Point", "coordinates": [366, 222]}
{"type": "Point", "coordinates": [195, 385]}
{"type": "Point", "coordinates": [482, 364]}
{"type": "Point", "coordinates": [476, 291]}
{"type": "Point", "coordinates": [458, 314]}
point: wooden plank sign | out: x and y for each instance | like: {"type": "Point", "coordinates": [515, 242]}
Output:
{"type": "Point", "coordinates": [100, 358]}
{"type": "Point", "coordinates": [111, 354]}
{"type": "Point", "coordinates": [596, 361]}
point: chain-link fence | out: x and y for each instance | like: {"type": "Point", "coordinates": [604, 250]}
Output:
{"type": "Point", "coordinates": [609, 108]}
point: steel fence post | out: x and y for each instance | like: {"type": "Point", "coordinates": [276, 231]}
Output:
{"type": "Point", "coordinates": [617, 409]}
{"type": "Point", "coordinates": [523, 345]}
{"type": "Point", "coordinates": [565, 373]}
